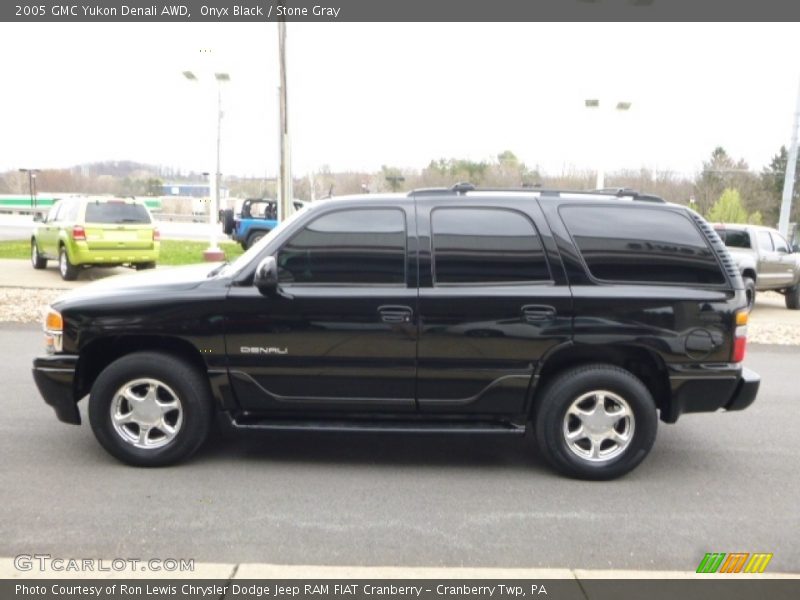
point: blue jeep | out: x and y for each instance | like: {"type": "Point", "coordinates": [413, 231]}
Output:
{"type": "Point", "coordinates": [258, 217]}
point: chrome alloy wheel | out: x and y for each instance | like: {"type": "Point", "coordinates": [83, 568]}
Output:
{"type": "Point", "coordinates": [146, 413]}
{"type": "Point", "coordinates": [62, 264]}
{"type": "Point", "coordinates": [598, 426]}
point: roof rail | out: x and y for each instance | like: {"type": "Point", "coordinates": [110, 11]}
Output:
{"type": "Point", "coordinates": [464, 187]}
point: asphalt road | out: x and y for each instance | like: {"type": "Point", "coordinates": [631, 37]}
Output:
{"type": "Point", "coordinates": [713, 483]}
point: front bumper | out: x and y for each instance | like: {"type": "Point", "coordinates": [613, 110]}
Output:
{"type": "Point", "coordinates": [707, 388]}
{"type": "Point", "coordinates": [55, 376]}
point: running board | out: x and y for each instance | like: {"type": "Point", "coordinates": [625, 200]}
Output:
{"type": "Point", "coordinates": [377, 426]}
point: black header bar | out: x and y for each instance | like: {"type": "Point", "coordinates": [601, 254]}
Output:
{"type": "Point", "coordinates": [151, 11]}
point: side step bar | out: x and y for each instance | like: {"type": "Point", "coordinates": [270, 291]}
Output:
{"type": "Point", "coordinates": [375, 426]}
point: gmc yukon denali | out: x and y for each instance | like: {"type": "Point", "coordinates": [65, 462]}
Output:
{"type": "Point", "coordinates": [581, 317]}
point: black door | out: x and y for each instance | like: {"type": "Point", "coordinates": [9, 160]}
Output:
{"type": "Point", "coordinates": [493, 302]}
{"type": "Point", "coordinates": [341, 335]}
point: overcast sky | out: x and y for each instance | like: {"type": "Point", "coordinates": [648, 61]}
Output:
{"type": "Point", "coordinates": [363, 95]}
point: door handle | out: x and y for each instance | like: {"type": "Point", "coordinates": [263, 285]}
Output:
{"type": "Point", "coordinates": [395, 315]}
{"type": "Point", "coordinates": [537, 313]}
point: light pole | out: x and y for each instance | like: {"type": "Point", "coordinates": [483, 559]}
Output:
{"type": "Point", "coordinates": [31, 184]}
{"type": "Point", "coordinates": [214, 253]}
{"type": "Point", "coordinates": [594, 104]}
{"type": "Point", "coordinates": [285, 191]}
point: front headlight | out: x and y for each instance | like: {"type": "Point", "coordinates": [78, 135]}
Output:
{"type": "Point", "coordinates": [53, 331]}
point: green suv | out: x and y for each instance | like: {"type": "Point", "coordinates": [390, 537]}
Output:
{"type": "Point", "coordinates": [109, 232]}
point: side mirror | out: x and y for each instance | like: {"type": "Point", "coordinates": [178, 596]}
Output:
{"type": "Point", "coordinates": [38, 218]}
{"type": "Point", "coordinates": [266, 276]}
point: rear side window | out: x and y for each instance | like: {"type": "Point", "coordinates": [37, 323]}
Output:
{"type": "Point", "coordinates": [486, 245]}
{"type": "Point", "coordinates": [734, 238]}
{"type": "Point", "coordinates": [348, 247]}
{"type": "Point", "coordinates": [634, 244]}
{"type": "Point", "coordinates": [116, 213]}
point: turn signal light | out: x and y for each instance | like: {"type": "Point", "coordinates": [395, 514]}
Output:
{"type": "Point", "coordinates": [53, 321]}
{"type": "Point", "coordinates": [156, 234]}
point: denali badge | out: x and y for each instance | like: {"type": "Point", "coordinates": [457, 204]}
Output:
{"type": "Point", "coordinates": [262, 350]}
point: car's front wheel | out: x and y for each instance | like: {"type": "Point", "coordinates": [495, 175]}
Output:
{"type": "Point", "coordinates": [793, 297]}
{"type": "Point", "coordinates": [595, 422]}
{"type": "Point", "coordinates": [69, 272]}
{"type": "Point", "coordinates": [144, 265]}
{"type": "Point", "coordinates": [750, 292]}
{"type": "Point", "coordinates": [150, 409]}
{"type": "Point", "coordinates": [37, 260]}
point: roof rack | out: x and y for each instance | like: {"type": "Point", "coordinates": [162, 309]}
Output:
{"type": "Point", "coordinates": [464, 187]}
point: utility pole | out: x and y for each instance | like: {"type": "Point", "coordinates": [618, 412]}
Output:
{"type": "Point", "coordinates": [285, 193]}
{"type": "Point", "coordinates": [788, 180]}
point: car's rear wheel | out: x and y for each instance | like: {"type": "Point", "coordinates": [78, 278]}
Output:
{"type": "Point", "coordinates": [595, 422]}
{"type": "Point", "coordinates": [150, 409]}
{"type": "Point", "coordinates": [144, 265]}
{"type": "Point", "coordinates": [255, 237]}
{"type": "Point", "coordinates": [37, 260]}
{"type": "Point", "coordinates": [69, 272]}
{"type": "Point", "coordinates": [793, 297]}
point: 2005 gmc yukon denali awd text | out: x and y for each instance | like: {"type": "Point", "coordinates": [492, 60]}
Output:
{"type": "Point", "coordinates": [583, 316]}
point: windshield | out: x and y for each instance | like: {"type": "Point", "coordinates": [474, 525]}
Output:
{"type": "Point", "coordinates": [238, 264]}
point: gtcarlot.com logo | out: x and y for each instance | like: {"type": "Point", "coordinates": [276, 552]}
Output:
{"type": "Point", "coordinates": [735, 562]}
{"type": "Point", "coordinates": [47, 562]}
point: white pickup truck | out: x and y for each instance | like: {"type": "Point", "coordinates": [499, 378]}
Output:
{"type": "Point", "coordinates": [765, 260]}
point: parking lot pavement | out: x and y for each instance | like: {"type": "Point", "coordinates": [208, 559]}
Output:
{"type": "Point", "coordinates": [20, 273]}
{"type": "Point", "coordinates": [723, 482]}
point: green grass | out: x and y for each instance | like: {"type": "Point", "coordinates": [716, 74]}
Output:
{"type": "Point", "coordinates": [173, 252]}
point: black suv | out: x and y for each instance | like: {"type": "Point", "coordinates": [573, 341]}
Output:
{"type": "Point", "coordinates": [582, 316]}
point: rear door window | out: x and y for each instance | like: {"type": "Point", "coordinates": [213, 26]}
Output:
{"type": "Point", "coordinates": [633, 244]}
{"type": "Point", "coordinates": [119, 213]}
{"type": "Point", "coordinates": [486, 245]}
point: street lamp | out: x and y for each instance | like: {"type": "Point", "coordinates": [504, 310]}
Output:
{"type": "Point", "coordinates": [31, 184]}
{"type": "Point", "coordinates": [214, 253]}
{"type": "Point", "coordinates": [594, 103]}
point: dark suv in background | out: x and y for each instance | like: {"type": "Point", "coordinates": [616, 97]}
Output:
{"type": "Point", "coordinates": [580, 316]}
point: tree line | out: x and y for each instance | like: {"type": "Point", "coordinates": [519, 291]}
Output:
{"type": "Point", "coordinates": [725, 189]}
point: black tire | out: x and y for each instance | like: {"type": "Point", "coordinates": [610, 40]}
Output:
{"type": "Point", "coordinates": [37, 261]}
{"type": "Point", "coordinates": [227, 221]}
{"type": "Point", "coordinates": [144, 265]}
{"type": "Point", "coordinates": [254, 237]}
{"type": "Point", "coordinates": [552, 421]}
{"type": "Point", "coordinates": [792, 297]}
{"type": "Point", "coordinates": [68, 271]}
{"type": "Point", "coordinates": [750, 292]}
{"type": "Point", "coordinates": [175, 377]}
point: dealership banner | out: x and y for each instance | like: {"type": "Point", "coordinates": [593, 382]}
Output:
{"type": "Point", "coordinates": [713, 588]}
{"type": "Point", "coordinates": [400, 10]}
